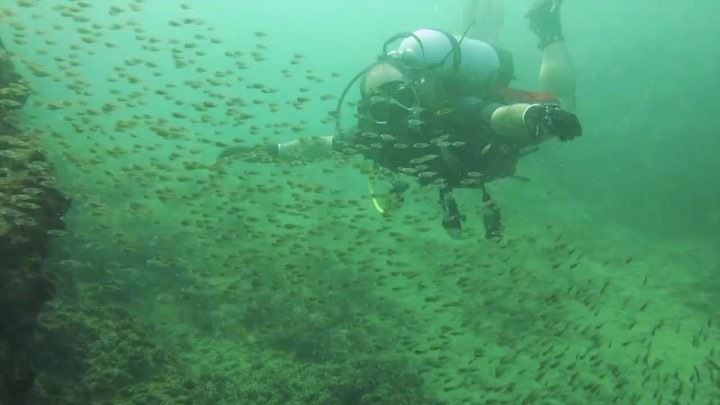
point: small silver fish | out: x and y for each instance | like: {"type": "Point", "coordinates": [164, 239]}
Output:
{"type": "Point", "coordinates": [444, 111]}
{"type": "Point", "coordinates": [7, 103]}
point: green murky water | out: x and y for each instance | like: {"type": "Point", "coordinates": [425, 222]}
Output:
{"type": "Point", "coordinates": [279, 283]}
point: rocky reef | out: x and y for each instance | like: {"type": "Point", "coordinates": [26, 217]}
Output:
{"type": "Point", "coordinates": [31, 207]}
{"type": "Point", "coordinates": [69, 335]}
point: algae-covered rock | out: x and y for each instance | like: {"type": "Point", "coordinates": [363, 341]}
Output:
{"type": "Point", "coordinates": [100, 354]}
{"type": "Point", "coordinates": [30, 207]}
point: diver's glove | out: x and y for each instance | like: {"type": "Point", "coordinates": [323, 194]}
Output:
{"type": "Point", "coordinates": [254, 153]}
{"type": "Point", "coordinates": [548, 120]}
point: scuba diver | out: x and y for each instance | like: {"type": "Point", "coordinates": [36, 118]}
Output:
{"type": "Point", "coordinates": [438, 107]}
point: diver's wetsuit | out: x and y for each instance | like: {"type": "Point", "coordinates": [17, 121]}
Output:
{"type": "Point", "coordinates": [442, 137]}
{"type": "Point", "coordinates": [455, 148]}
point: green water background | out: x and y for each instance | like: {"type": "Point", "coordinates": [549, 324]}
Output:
{"type": "Point", "coordinates": [635, 198]}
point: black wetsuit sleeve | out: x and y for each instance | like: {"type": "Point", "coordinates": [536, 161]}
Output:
{"type": "Point", "coordinates": [272, 149]}
{"type": "Point", "coordinates": [472, 119]}
{"type": "Point", "coordinates": [472, 112]}
{"type": "Point", "coordinates": [345, 142]}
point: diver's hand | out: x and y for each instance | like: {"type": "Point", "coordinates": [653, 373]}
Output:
{"type": "Point", "coordinates": [548, 120]}
{"type": "Point", "coordinates": [254, 153]}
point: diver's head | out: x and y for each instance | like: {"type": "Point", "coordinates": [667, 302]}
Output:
{"type": "Point", "coordinates": [391, 96]}
{"type": "Point", "coordinates": [388, 96]}
{"type": "Point", "coordinates": [380, 75]}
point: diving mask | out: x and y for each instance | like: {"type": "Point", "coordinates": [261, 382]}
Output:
{"type": "Point", "coordinates": [393, 101]}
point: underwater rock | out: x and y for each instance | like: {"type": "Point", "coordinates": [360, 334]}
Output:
{"type": "Point", "coordinates": [101, 354]}
{"type": "Point", "coordinates": [12, 85]}
{"type": "Point", "coordinates": [30, 206]}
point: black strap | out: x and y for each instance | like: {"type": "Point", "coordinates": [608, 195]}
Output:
{"type": "Point", "coordinates": [455, 52]}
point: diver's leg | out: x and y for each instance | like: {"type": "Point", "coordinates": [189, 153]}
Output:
{"type": "Point", "coordinates": [557, 75]}
{"type": "Point", "coordinates": [492, 220]}
{"type": "Point", "coordinates": [486, 17]}
{"type": "Point", "coordinates": [452, 219]}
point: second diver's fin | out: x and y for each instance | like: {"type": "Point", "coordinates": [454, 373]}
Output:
{"type": "Point", "coordinates": [544, 17]}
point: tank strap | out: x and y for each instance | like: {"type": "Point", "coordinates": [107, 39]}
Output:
{"type": "Point", "coordinates": [455, 51]}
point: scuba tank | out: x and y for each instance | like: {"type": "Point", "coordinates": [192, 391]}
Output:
{"type": "Point", "coordinates": [470, 65]}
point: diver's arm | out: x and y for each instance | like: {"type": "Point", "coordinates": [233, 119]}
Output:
{"type": "Point", "coordinates": [245, 152]}
{"type": "Point", "coordinates": [519, 124]}
{"type": "Point", "coordinates": [315, 147]}
{"type": "Point", "coordinates": [524, 124]}
{"type": "Point", "coordinates": [310, 148]}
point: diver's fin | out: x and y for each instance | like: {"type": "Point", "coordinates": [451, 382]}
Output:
{"type": "Point", "coordinates": [544, 17]}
